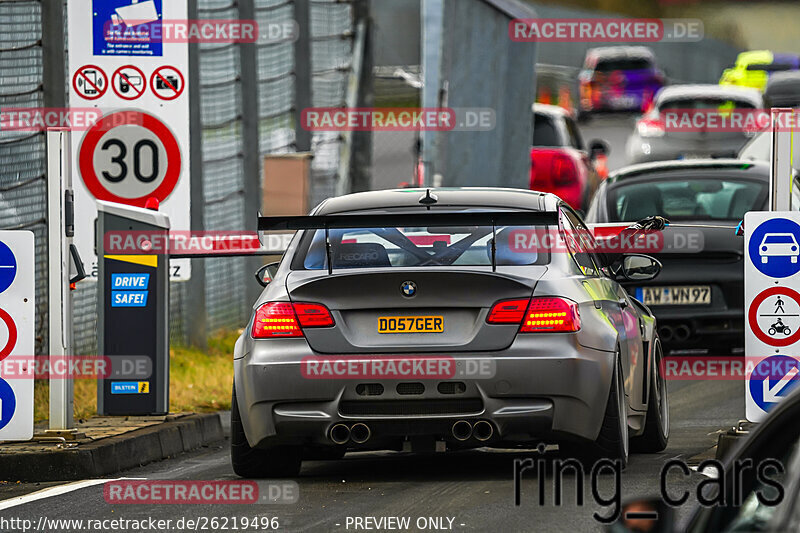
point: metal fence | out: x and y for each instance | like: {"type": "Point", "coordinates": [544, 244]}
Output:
{"type": "Point", "coordinates": [223, 89]}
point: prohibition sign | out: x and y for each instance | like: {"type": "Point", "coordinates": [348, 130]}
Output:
{"type": "Point", "coordinates": [752, 316]}
{"type": "Point", "coordinates": [167, 83]}
{"type": "Point", "coordinates": [90, 82]}
{"type": "Point", "coordinates": [124, 82]}
{"type": "Point", "coordinates": [127, 142]}
{"type": "Point", "coordinates": [12, 334]}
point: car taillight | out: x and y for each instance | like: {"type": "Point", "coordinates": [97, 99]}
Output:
{"type": "Point", "coordinates": [537, 315]}
{"type": "Point", "coordinates": [563, 170]}
{"type": "Point", "coordinates": [651, 127]}
{"type": "Point", "coordinates": [284, 319]}
{"type": "Point", "coordinates": [551, 315]}
{"type": "Point", "coordinates": [313, 315]}
{"type": "Point", "coordinates": [508, 312]}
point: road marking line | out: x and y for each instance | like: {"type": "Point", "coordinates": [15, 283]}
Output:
{"type": "Point", "coordinates": [56, 491]}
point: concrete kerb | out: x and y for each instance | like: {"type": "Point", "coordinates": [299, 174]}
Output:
{"type": "Point", "coordinates": [113, 454]}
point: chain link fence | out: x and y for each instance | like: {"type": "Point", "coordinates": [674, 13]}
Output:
{"type": "Point", "coordinates": [23, 172]}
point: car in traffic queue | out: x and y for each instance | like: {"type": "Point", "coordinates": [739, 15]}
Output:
{"type": "Point", "coordinates": [663, 132]}
{"type": "Point", "coordinates": [618, 78]}
{"type": "Point", "coordinates": [757, 487]}
{"type": "Point", "coordinates": [699, 296]}
{"type": "Point", "coordinates": [454, 275]}
{"type": "Point", "coordinates": [560, 161]}
{"type": "Point", "coordinates": [783, 90]}
{"type": "Point", "coordinates": [754, 68]}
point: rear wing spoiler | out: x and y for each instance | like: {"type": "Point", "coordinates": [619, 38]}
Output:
{"type": "Point", "coordinates": [406, 220]}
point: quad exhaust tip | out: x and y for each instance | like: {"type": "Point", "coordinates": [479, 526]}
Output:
{"type": "Point", "coordinates": [462, 430]}
{"type": "Point", "coordinates": [483, 430]}
{"type": "Point", "coordinates": [360, 433]}
{"type": "Point", "coordinates": [682, 333]}
{"type": "Point", "coordinates": [340, 434]}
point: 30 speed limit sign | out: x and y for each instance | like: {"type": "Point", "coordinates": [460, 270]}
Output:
{"type": "Point", "coordinates": [128, 157]}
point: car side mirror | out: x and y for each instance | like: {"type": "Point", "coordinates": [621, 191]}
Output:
{"type": "Point", "coordinates": [652, 514]}
{"type": "Point", "coordinates": [598, 147]}
{"type": "Point", "coordinates": [640, 267]}
{"type": "Point", "coordinates": [265, 274]}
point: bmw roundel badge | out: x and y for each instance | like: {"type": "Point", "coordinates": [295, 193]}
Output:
{"type": "Point", "coordinates": [408, 288]}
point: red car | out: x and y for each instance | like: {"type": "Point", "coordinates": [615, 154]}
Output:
{"type": "Point", "coordinates": [560, 162]}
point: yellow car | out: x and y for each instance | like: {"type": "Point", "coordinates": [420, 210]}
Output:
{"type": "Point", "coordinates": [752, 69]}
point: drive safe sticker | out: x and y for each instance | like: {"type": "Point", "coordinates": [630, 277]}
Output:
{"type": "Point", "coordinates": [127, 290]}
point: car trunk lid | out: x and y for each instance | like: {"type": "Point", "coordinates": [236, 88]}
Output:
{"type": "Point", "coordinates": [458, 297]}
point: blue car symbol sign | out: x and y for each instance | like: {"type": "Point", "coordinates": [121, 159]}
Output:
{"type": "Point", "coordinates": [774, 248]}
{"type": "Point", "coordinates": [408, 288]}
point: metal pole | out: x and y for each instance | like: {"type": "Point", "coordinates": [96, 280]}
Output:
{"type": "Point", "coordinates": [59, 298]}
{"type": "Point", "coordinates": [361, 154]}
{"type": "Point", "coordinates": [302, 72]}
{"type": "Point", "coordinates": [195, 290]}
{"type": "Point", "coordinates": [250, 143]}
{"type": "Point", "coordinates": [53, 54]}
{"type": "Point", "coordinates": [432, 40]}
{"type": "Point", "coordinates": [780, 190]}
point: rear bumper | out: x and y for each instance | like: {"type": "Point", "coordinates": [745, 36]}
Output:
{"type": "Point", "coordinates": [543, 386]}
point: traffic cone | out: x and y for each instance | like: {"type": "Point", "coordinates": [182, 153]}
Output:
{"type": "Point", "coordinates": [544, 96]}
{"type": "Point", "coordinates": [601, 165]}
{"type": "Point", "coordinates": [565, 99]}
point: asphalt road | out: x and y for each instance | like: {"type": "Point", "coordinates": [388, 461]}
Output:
{"type": "Point", "coordinates": [613, 129]}
{"type": "Point", "coordinates": [475, 489]}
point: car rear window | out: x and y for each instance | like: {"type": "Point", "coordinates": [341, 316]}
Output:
{"type": "Point", "coordinates": [545, 132]}
{"type": "Point", "coordinates": [771, 67]}
{"type": "Point", "coordinates": [421, 247]}
{"type": "Point", "coordinates": [630, 63]}
{"type": "Point", "coordinates": [690, 198]}
{"type": "Point", "coordinates": [705, 103]}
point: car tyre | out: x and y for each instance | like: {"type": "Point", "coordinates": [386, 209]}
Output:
{"type": "Point", "coordinates": [655, 436]}
{"type": "Point", "coordinates": [256, 463]}
{"type": "Point", "coordinates": [612, 442]}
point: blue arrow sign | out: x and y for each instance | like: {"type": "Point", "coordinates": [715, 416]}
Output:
{"type": "Point", "coordinates": [772, 379]}
{"type": "Point", "coordinates": [8, 267]}
{"type": "Point", "coordinates": [8, 403]}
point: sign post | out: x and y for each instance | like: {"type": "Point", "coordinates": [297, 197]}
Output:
{"type": "Point", "coordinates": [60, 231]}
{"type": "Point", "coordinates": [16, 334]}
{"type": "Point", "coordinates": [122, 62]}
{"type": "Point", "coordinates": [772, 296]}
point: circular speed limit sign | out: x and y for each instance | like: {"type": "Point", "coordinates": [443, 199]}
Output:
{"type": "Point", "coordinates": [129, 157]}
